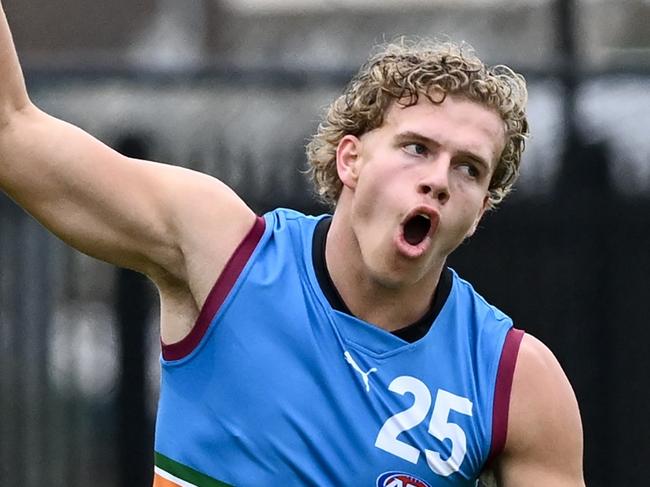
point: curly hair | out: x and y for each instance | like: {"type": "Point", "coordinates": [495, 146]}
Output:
{"type": "Point", "coordinates": [403, 71]}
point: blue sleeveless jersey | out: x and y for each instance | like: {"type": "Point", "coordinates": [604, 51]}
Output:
{"type": "Point", "coordinates": [275, 387]}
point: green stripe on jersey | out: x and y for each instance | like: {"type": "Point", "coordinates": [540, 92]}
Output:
{"type": "Point", "coordinates": [186, 473]}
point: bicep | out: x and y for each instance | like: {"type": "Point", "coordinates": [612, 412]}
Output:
{"type": "Point", "coordinates": [128, 212]}
{"type": "Point", "coordinates": [544, 444]}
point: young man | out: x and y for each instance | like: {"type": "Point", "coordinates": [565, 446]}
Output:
{"type": "Point", "coordinates": [330, 350]}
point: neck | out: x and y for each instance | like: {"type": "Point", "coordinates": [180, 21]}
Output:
{"type": "Point", "coordinates": [390, 307]}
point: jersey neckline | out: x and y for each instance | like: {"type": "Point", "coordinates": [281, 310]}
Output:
{"type": "Point", "coordinates": [409, 333]}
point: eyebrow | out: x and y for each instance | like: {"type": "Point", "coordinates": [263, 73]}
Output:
{"type": "Point", "coordinates": [410, 136]}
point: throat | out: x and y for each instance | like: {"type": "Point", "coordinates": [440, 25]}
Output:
{"type": "Point", "coordinates": [402, 313]}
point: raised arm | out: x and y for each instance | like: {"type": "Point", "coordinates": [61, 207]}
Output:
{"type": "Point", "coordinates": [544, 446]}
{"type": "Point", "coordinates": [177, 226]}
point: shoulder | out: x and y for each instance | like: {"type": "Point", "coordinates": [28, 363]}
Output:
{"type": "Point", "coordinates": [544, 440]}
{"type": "Point", "coordinates": [283, 217]}
{"type": "Point", "coordinates": [474, 302]}
{"type": "Point", "coordinates": [291, 228]}
{"type": "Point", "coordinates": [542, 396]}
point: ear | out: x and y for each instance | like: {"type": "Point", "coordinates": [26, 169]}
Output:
{"type": "Point", "coordinates": [347, 160]}
{"type": "Point", "coordinates": [484, 207]}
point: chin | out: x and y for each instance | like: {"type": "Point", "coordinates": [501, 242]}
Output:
{"type": "Point", "coordinates": [398, 276]}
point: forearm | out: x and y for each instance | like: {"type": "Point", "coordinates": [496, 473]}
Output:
{"type": "Point", "coordinates": [84, 192]}
{"type": "Point", "coordinates": [13, 94]}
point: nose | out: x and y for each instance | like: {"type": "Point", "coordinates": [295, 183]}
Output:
{"type": "Point", "coordinates": [436, 182]}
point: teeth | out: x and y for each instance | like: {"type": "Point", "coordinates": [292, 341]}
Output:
{"type": "Point", "coordinates": [425, 216]}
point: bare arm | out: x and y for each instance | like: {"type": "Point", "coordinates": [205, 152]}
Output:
{"type": "Point", "coordinates": [13, 95]}
{"type": "Point", "coordinates": [177, 226]}
{"type": "Point", "coordinates": [544, 446]}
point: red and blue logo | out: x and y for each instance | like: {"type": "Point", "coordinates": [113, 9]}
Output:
{"type": "Point", "coordinates": [399, 479]}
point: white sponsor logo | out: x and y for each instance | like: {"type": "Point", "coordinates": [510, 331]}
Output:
{"type": "Point", "coordinates": [364, 375]}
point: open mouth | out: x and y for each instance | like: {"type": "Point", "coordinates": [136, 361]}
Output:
{"type": "Point", "coordinates": [416, 229]}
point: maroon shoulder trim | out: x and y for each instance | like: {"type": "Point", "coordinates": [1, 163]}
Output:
{"type": "Point", "coordinates": [215, 299]}
{"type": "Point", "coordinates": [502, 391]}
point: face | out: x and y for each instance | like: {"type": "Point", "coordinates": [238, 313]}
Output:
{"type": "Point", "coordinates": [416, 187]}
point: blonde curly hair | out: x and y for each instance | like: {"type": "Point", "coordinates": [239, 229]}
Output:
{"type": "Point", "coordinates": [403, 71]}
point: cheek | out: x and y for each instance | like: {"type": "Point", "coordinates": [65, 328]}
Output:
{"type": "Point", "coordinates": [469, 208]}
{"type": "Point", "coordinates": [378, 189]}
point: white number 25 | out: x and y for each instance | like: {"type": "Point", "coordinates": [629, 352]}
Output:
{"type": "Point", "coordinates": [439, 426]}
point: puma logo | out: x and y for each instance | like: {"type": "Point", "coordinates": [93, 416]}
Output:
{"type": "Point", "coordinates": [355, 366]}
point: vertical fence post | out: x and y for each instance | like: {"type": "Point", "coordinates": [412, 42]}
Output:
{"type": "Point", "coordinates": [134, 301]}
{"type": "Point", "coordinates": [584, 200]}
{"type": "Point", "coordinates": [25, 391]}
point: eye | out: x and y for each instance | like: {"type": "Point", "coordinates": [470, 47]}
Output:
{"type": "Point", "coordinates": [416, 149]}
{"type": "Point", "coordinates": [470, 169]}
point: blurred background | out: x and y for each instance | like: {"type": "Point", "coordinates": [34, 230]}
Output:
{"type": "Point", "coordinates": [234, 88]}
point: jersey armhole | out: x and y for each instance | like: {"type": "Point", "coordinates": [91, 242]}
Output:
{"type": "Point", "coordinates": [502, 390]}
{"type": "Point", "coordinates": [218, 294]}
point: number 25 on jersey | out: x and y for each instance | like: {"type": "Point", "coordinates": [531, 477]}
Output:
{"type": "Point", "coordinates": [439, 426]}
